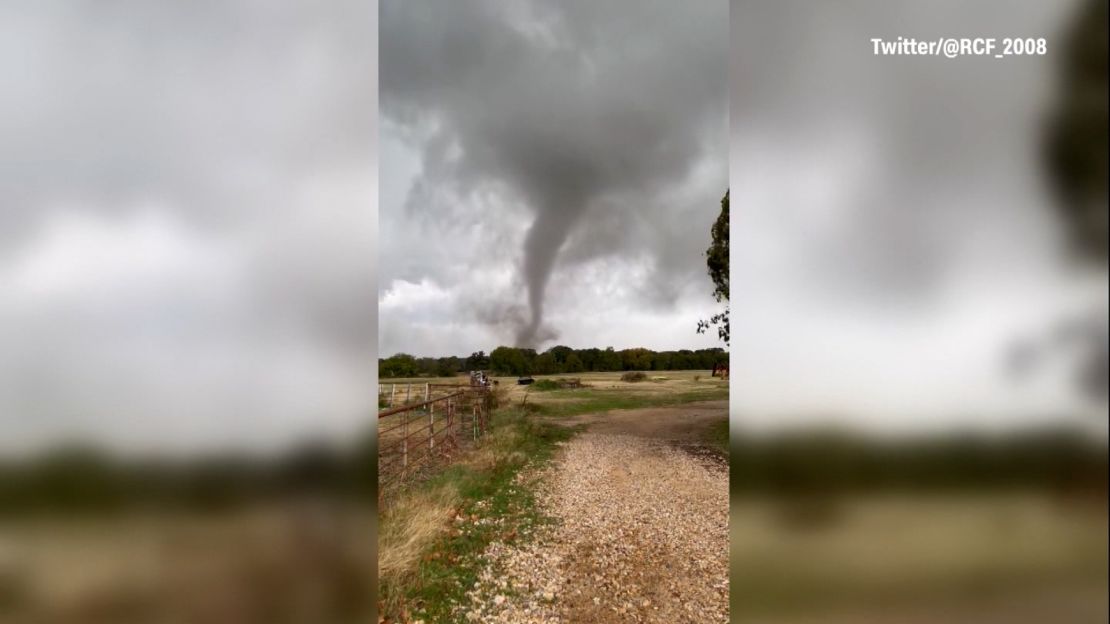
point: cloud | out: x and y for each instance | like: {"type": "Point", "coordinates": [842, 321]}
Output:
{"type": "Point", "coordinates": [892, 234]}
{"type": "Point", "coordinates": [565, 130]}
{"type": "Point", "coordinates": [187, 226]}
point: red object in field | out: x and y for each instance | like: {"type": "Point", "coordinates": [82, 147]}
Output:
{"type": "Point", "coordinates": [720, 370]}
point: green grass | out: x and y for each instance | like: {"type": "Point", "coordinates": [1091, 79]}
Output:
{"type": "Point", "coordinates": [576, 402]}
{"type": "Point", "coordinates": [717, 436]}
{"type": "Point", "coordinates": [487, 492]}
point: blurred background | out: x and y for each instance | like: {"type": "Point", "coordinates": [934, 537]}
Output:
{"type": "Point", "coordinates": [919, 405]}
{"type": "Point", "coordinates": [187, 312]}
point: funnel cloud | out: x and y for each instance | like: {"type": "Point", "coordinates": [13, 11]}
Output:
{"type": "Point", "coordinates": [574, 122]}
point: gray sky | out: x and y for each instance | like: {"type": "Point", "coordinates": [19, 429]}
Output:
{"type": "Point", "coordinates": [550, 173]}
{"type": "Point", "coordinates": [891, 233]}
{"type": "Point", "coordinates": [186, 222]}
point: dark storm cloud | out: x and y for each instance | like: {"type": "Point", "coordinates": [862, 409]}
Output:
{"type": "Point", "coordinates": [943, 149]}
{"type": "Point", "coordinates": [577, 110]}
{"type": "Point", "coordinates": [186, 209]}
{"type": "Point", "coordinates": [204, 102]}
{"type": "Point", "coordinates": [895, 234]}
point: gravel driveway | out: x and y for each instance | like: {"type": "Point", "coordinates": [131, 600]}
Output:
{"type": "Point", "coordinates": [641, 535]}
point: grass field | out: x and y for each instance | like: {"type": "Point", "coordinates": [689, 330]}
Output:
{"type": "Point", "coordinates": [602, 391]}
{"type": "Point", "coordinates": [431, 537]}
{"type": "Point", "coordinates": [250, 566]}
{"type": "Point", "coordinates": [911, 558]}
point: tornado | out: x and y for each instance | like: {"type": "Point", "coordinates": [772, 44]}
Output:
{"type": "Point", "coordinates": [542, 244]}
{"type": "Point", "coordinates": [555, 110]}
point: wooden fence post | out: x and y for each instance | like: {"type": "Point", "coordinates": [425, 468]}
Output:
{"type": "Point", "coordinates": [431, 427]}
{"type": "Point", "coordinates": [450, 430]}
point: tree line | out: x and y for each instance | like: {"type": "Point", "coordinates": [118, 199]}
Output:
{"type": "Point", "coordinates": [556, 360]}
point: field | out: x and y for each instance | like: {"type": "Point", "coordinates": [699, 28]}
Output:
{"type": "Point", "coordinates": [439, 541]}
{"type": "Point", "coordinates": [251, 566]}
{"type": "Point", "coordinates": [976, 557]}
{"type": "Point", "coordinates": [601, 391]}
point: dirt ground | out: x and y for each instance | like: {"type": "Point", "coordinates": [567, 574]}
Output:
{"type": "Point", "coordinates": [641, 532]}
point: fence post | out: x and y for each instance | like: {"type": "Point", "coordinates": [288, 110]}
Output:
{"type": "Point", "coordinates": [450, 411]}
{"type": "Point", "coordinates": [405, 441]}
{"type": "Point", "coordinates": [431, 427]}
{"type": "Point", "coordinates": [450, 431]}
{"type": "Point", "coordinates": [427, 391]}
{"type": "Point", "coordinates": [408, 393]}
{"type": "Point", "coordinates": [392, 393]}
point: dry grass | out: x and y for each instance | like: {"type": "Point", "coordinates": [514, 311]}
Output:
{"type": "Point", "coordinates": [417, 517]}
{"type": "Point", "coordinates": [246, 567]}
{"type": "Point", "coordinates": [676, 382]}
{"type": "Point", "coordinates": [410, 525]}
{"type": "Point", "coordinates": [911, 553]}
{"type": "Point", "coordinates": [417, 536]}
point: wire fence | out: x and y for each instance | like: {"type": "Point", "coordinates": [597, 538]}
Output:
{"type": "Point", "coordinates": [415, 437]}
{"type": "Point", "coordinates": [405, 393]}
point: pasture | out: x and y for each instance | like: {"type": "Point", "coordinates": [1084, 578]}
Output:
{"type": "Point", "coordinates": [601, 392]}
{"type": "Point", "coordinates": [252, 566]}
{"type": "Point", "coordinates": [962, 558]}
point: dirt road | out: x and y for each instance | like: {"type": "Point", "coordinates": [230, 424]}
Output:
{"type": "Point", "coordinates": [641, 532]}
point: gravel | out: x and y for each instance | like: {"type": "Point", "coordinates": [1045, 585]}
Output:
{"type": "Point", "coordinates": [640, 535]}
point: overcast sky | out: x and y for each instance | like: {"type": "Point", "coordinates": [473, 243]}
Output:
{"type": "Point", "coordinates": [891, 233]}
{"type": "Point", "coordinates": [186, 221]}
{"type": "Point", "coordinates": [550, 173]}
{"type": "Point", "coordinates": [187, 232]}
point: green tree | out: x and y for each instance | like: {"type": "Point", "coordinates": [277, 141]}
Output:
{"type": "Point", "coordinates": [717, 262]}
{"type": "Point", "coordinates": [636, 359]}
{"type": "Point", "coordinates": [1075, 148]}
{"type": "Point", "coordinates": [507, 361]}
{"type": "Point", "coordinates": [477, 361]}
{"type": "Point", "coordinates": [448, 366]}
{"type": "Point", "coordinates": [1075, 157]}
{"type": "Point", "coordinates": [574, 363]}
{"type": "Point", "coordinates": [561, 353]}
{"type": "Point", "coordinates": [590, 358]}
{"type": "Point", "coordinates": [397, 365]}
{"type": "Point", "coordinates": [544, 364]}
{"type": "Point", "coordinates": [529, 356]}
{"type": "Point", "coordinates": [609, 360]}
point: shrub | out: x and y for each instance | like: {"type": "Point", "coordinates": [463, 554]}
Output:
{"type": "Point", "coordinates": [546, 384]}
{"type": "Point", "coordinates": [633, 376]}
